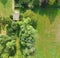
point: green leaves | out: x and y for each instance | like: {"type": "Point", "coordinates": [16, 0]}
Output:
{"type": "Point", "coordinates": [13, 28]}
{"type": "Point", "coordinates": [51, 2]}
{"type": "Point", "coordinates": [19, 33]}
{"type": "Point", "coordinates": [10, 44]}
{"type": "Point", "coordinates": [7, 46]}
{"type": "Point", "coordinates": [26, 36]}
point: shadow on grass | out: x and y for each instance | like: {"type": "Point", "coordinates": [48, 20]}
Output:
{"type": "Point", "coordinates": [49, 10]}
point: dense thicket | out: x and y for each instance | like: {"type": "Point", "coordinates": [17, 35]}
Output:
{"type": "Point", "coordinates": [33, 3]}
{"type": "Point", "coordinates": [18, 40]}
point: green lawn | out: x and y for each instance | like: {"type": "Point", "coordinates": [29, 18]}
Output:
{"type": "Point", "coordinates": [47, 23]}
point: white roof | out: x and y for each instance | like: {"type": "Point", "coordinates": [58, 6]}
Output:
{"type": "Point", "coordinates": [16, 15]}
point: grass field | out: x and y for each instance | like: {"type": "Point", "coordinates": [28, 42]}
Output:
{"type": "Point", "coordinates": [5, 8]}
{"type": "Point", "coordinates": [47, 44]}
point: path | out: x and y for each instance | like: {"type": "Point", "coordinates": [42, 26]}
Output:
{"type": "Point", "coordinates": [13, 5]}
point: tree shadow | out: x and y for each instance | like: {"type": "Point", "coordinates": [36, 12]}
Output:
{"type": "Point", "coordinates": [34, 23]}
{"type": "Point", "coordinates": [49, 10]}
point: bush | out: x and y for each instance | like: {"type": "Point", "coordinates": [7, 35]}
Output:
{"type": "Point", "coordinates": [33, 17]}
{"type": "Point", "coordinates": [20, 35]}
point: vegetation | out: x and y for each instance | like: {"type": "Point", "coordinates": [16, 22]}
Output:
{"type": "Point", "coordinates": [19, 39]}
{"type": "Point", "coordinates": [5, 6]}
{"type": "Point", "coordinates": [31, 4]}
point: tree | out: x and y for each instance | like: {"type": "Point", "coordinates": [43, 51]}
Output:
{"type": "Point", "coordinates": [59, 2]}
{"type": "Point", "coordinates": [19, 40]}
{"type": "Point", "coordinates": [7, 46]}
{"type": "Point", "coordinates": [24, 1]}
{"type": "Point", "coordinates": [24, 34]}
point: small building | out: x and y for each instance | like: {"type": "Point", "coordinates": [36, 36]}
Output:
{"type": "Point", "coordinates": [16, 15]}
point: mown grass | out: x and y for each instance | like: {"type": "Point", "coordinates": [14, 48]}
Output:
{"type": "Point", "coordinates": [46, 44]}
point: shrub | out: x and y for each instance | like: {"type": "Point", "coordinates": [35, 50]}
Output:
{"type": "Point", "coordinates": [20, 36]}
{"type": "Point", "coordinates": [33, 17]}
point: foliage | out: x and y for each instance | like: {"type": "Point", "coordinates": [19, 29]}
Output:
{"type": "Point", "coordinates": [36, 2]}
{"type": "Point", "coordinates": [24, 1]}
{"type": "Point", "coordinates": [25, 33]}
{"type": "Point", "coordinates": [4, 20]}
{"type": "Point", "coordinates": [7, 46]}
{"type": "Point", "coordinates": [51, 2]}
{"type": "Point", "coordinates": [3, 23]}
{"type": "Point", "coordinates": [13, 29]}
{"type": "Point", "coordinates": [32, 4]}
{"type": "Point", "coordinates": [27, 37]}
{"type": "Point", "coordinates": [33, 17]}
